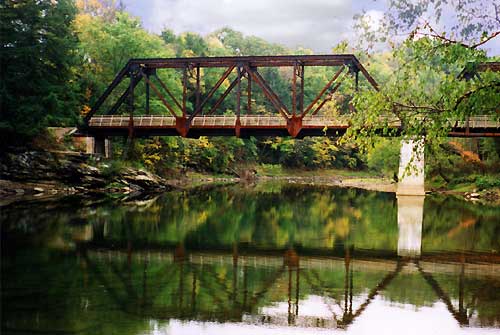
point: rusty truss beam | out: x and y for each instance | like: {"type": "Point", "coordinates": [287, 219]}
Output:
{"type": "Point", "coordinates": [246, 68]}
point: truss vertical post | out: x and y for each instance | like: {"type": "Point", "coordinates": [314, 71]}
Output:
{"type": "Point", "coordinates": [294, 90]}
{"type": "Point", "coordinates": [193, 293]}
{"type": "Point", "coordinates": [238, 102]}
{"type": "Point", "coordinates": [184, 91]}
{"type": "Point", "coordinates": [357, 81]}
{"type": "Point", "coordinates": [235, 273]}
{"type": "Point", "coordinates": [245, 287]}
{"type": "Point", "coordinates": [347, 263]}
{"type": "Point", "coordinates": [249, 94]}
{"type": "Point", "coordinates": [350, 291]}
{"type": "Point", "coordinates": [181, 286]}
{"type": "Point", "coordinates": [301, 96]}
{"type": "Point", "coordinates": [290, 318]}
{"type": "Point", "coordinates": [197, 91]}
{"type": "Point", "coordinates": [297, 285]}
{"type": "Point", "coordinates": [131, 107]}
{"type": "Point", "coordinates": [144, 281]}
{"type": "Point", "coordinates": [462, 312]}
{"type": "Point", "coordinates": [294, 123]}
{"type": "Point", "coordinates": [181, 121]}
{"type": "Point", "coordinates": [147, 92]}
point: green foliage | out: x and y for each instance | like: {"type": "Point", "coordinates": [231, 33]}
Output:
{"type": "Point", "coordinates": [36, 63]}
{"type": "Point", "coordinates": [418, 77]}
{"type": "Point", "coordinates": [485, 182]}
{"type": "Point", "coordinates": [460, 163]}
{"type": "Point", "coordinates": [113, 168]}
{"type": "Point", "coordinates": [106, 46]}
{"type": "Point", "coordinates": [270, 169]}
{"type": "Point", "coordinates": [384, 157]}
{"type": "Point", "coordinates": [423, 92]}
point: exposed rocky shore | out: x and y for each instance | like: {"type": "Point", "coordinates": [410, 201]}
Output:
{"type": "Point", "coordinates": [42, 173]}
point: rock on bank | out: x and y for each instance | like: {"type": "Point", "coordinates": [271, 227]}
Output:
{"type": "Point", "coordinates": [55, 172]}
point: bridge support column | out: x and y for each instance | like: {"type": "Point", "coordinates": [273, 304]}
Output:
{"type": "Point", "coordinates": [99, 146]}
{"type": "Point", "coordinates": [410, 217]}
{"type": "Point", "coordinates": [411, 167]}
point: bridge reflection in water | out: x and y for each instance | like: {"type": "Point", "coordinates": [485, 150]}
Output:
{"type": "Point", "coordinates": [289, 287]}
{"type": "Point", "coordinates": [234, 259]}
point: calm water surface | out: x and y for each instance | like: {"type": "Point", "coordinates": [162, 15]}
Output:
{"type": "Point", "coordinates": [262, 259]}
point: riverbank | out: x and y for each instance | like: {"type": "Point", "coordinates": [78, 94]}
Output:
{"type": "Point", "coordinates": [365, 180]}
{"type": "Point", "coordinates": [31, 175]}
{"type": "Point", "coordinates": [41, 174]}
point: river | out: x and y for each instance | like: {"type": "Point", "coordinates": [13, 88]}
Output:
{"type": "Point", "coordinates": [269, 258]}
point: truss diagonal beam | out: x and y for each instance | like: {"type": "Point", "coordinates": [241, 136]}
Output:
{"type": "Point", "coordinates": [329, 97]}
{"type": "Point", "coordinates": [320, 94]}
{"type": "Point", "coordinates": [157, 92]}
{"type": "Point", "coordinates": [268, 92]}
{"type": "Point", "coordinates": [258, 296]}
{"type": "Point", "coordinates": [374, 292]}
{"type": "Point", "coordinates": [459, 315]}
{"type": "Point", "coordinates": [225, 94]}
{"type": "Point", "coordinates": [211, 93]}
{"type": "Point", "coordinates": [106, 93]}
{"type": "Point", "coordinates": [122, 98]}
{"type": "Point", "coordinates": [162, 84]}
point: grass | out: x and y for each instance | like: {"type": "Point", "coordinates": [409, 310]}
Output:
{"type": "Point", "coordinates": [271, 170]}
{"type": "Point", "coordinates": [468, 183]}
{"type": "Point", "coordinates": [200, 175]}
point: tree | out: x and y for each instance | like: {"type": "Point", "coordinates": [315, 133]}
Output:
{"type": "Point", "coordinates": [424, 91]}
{"type": "Point", "coordinates": [36, 62]}
{"type": "Point", "coordinates": [469, 23]}
{"type": "Point", "coordinates": [105, 47]}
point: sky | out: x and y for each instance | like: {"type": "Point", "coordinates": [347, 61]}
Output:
{"type": "Point", "coordinates": [314, 24]}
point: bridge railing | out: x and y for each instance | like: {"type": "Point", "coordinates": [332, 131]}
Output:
{"type": "Point", "coordinates": [481, 121]}
{"type": "Point", "coordinates": [215, 121]}
{"type": "Point", "coordinates": [229, 121]}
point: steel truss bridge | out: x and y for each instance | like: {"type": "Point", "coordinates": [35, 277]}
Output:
{"type": "Point", "coordinates": [298, 119]}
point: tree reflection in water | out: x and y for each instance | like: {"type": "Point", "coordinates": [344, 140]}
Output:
{"type": "Point", "coordinates": [278, 255]}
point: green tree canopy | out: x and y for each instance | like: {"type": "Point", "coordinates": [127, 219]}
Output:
{"type": "Point", "coordinates": [36, 62]}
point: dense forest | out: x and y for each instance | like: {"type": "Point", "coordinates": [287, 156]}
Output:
{"type": "Point", "coordinates": [58, 57]}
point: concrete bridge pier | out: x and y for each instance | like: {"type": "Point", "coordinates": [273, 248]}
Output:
{"type": "Point", "coordinates": [98, 146]}
{"type": "Point", "coordinates": [411, 167]}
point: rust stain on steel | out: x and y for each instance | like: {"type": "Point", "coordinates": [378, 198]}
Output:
{"type": "Point", "coordinates": [294, 125]}
{"type": "Point", "coordinates": [181, 125]}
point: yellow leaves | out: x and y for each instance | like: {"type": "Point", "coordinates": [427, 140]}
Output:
{"type": "Point", "coordinates": [202, 218]}
{"type": "Point", "coordinates": [188, 53]}
{"type": "Point", "coordinates": [151, 153]}
{"type": "Point", "coordinates": [325, 149]}
{"type": "Point", "coordinates": [151, 160]}
{"type": "Point", "coordinates": [85, 110]}
{"type": "Point", "coordinates": [204, 143]}
{"type": "Point", "coordinates": [342, 227]}
{"type": "Point", "coordinates": [214, 43]}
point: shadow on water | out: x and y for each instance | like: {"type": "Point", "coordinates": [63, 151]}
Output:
{"type": "Point", "coordinates": [271, 255]}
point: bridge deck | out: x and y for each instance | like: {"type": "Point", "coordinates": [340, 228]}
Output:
{"type": "Point", "coordinates": [256, 125]}
{"type": "Point", "coordinates": [331, 263]}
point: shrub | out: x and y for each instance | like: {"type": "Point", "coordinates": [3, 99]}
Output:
{"type": "Point", "coordinates": [384, 157]}
{"type": "Point", "coordinates": [484, 182]}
